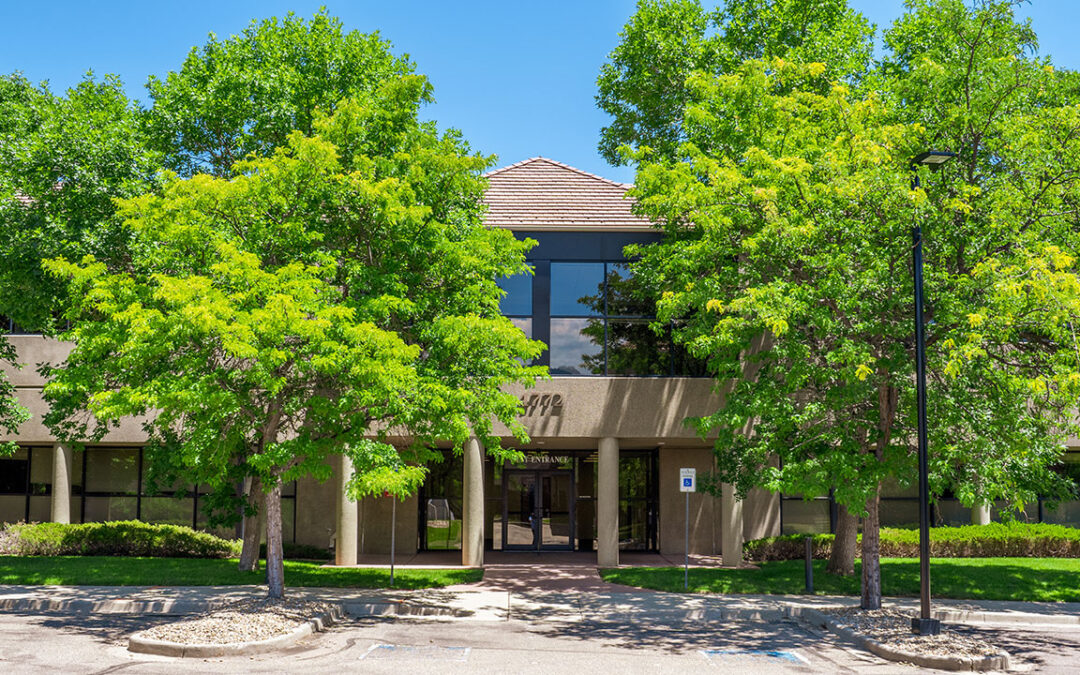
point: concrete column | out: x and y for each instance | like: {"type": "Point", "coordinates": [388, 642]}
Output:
{"type": "Point", "coordinates": [980, 514]}
{"type": "Point", "coordinates": [607, 503]}
{"type": "Point", "coordinates": [472, 520]}
{"type": "Point", "coordinates": [347, 521]}
{"type": "Point", "coordinates": [731, 534]}
{"type": "Point", "coordinates": [61, 484]}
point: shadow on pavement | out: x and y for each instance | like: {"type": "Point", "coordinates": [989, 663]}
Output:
{"type": "Point", "coordinates": [1030, 644]}
{"type": "Point", "coordinates": [683, 638]}
{"type": "Point", "coordinates": [112, 629]}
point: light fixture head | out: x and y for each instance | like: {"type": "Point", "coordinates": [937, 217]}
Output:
{"type": "Point", "coordinates": [932, 158]}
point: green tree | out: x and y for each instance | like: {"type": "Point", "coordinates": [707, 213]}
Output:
{"type": "Point", "coordinates": [788, 258]}
{"type": "Point", "coordinates": [643, 85]}
{"type": "Point", "coordinates": [332, 297]}
{"type": "Point", "coordinates": [243, 95]}
{"type": "Point", "coordinates": [247, 93]}
{"type": "Point", "coordinates": [63, 159]}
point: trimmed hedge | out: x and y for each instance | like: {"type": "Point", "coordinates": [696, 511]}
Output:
{"type": "Point", "coordinates": [996, 540]}
{"type": "Point", "coordinates": [114, 538]}
{"type": "Point", "coordinates": [788, 547]}
{"type": "Point", "coordinates": [292, 551]}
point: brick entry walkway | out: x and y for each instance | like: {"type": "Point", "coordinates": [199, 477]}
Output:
{"type": "Point", "coordinates": [548, 571]}
{"type": "Point", "coordinates": [551, 572]}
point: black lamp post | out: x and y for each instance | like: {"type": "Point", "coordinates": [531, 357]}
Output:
{"type": "Point", "coordinates": [924, 625]}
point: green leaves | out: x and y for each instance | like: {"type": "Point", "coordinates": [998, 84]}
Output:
{"type": "Point", "coordinates": [787, 259]}
{"type": "Point", "coordinates": [63, 159]}
{"type": "Point", "coordinates": [247, 93]}
{"type": "Point", "coordinates": [322, 300]}
{"type": "Point", "coordinates": [669, 45]}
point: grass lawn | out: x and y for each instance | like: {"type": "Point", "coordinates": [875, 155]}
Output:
{"type": "Point", "coordinates": [1025, 579]}
{"type": "Point", "coordinates": [117, 571]}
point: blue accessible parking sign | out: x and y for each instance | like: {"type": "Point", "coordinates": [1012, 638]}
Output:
{"type": "Point", "coordinates": [687, 480]}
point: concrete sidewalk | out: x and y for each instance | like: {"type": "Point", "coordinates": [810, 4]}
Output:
{"type": "Point", "coordinates": [600, 605]}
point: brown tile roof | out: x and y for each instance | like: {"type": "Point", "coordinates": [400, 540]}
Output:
{"type": "Point", "coordinates": [540, 193]}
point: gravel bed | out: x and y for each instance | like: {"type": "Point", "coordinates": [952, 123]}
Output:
{"type": "Point", "coordinates": [892, 628]}
{"type": "Point", "coordinates": [242, 621]}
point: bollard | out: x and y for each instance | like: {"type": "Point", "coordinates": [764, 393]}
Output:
{"type": "Point", "coordinates": [809, 565]}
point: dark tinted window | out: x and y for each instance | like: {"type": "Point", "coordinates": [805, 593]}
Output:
{"type": "Point", "coordinates": [518, 298]}
{"type": "Point", "coordinates": [577, 289]}
{"type": "Point", "coordinates": [13, 472]}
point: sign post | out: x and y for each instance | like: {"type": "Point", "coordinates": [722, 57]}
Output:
{"type": "Point", "coordinates": [393, 532]}
{"type": "Point", "coordinates": [687, 484]}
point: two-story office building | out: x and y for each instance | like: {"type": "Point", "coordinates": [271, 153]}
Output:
{"type": "Point", "coordinates": [601, 473]}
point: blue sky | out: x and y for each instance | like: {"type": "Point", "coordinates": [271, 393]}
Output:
{"type": "Point", "coordinates": [518, 78]}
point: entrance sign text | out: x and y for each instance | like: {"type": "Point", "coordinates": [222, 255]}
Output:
{"type": "Point", "coordinates": [532, 458]}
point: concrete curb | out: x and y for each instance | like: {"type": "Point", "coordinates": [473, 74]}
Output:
{"type": "Point", "coordinates": [142, 645]}
{"type": "Point", "coordinates": [967, 663]}
{"type": "Point", "coordinates": [403, 609]}
{"type": "Point", "coordinates": [81, 606]}
{"type": "Point", "coordinates": [978, 617]}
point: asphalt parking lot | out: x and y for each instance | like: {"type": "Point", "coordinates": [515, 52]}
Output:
{"type": "Point", "coordinates": [49, 642]}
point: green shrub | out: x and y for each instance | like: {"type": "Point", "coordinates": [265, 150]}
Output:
{"type": "Point", "coordinates": [788, 547]}
{"type": "Point", "coordinates": [291, 551]}
{"type": "Point", "coordinates": [996, 540]}
{"type": "Point", "coordinates": [115, 538]}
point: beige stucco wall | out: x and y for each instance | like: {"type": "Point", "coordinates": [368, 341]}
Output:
{"type": "Point", "coordinates": [315, 509]}
{"type": "Point", "coordinates": [761, 514]}
{"type": "Point", "coordinates": [375, 519]}
{"type": "Point", "coordinates": [34, 351]}
{"type": "Point", "coordinates": [637, 411]}
{"type": "Point", "coordinates": [704, 509]}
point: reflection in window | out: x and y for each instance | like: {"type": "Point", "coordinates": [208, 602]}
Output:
{"type": "Point", "coordinates": [799, 516]}
{"type": "Point", "coordinates": [637, 501]}
{"type": "Point", "coordinates": [524, 324]}
{"type": "Point", "coordinates": [113, 470]}
{"type": "Point", "coordinates": [633, 348]}
{"type": "Point", "coordinates": [624, 296]}
{"type": "Point", "coordinates": [617, 339]}
{"type": "Point", "coordinates": [441, 499]}
{"type": "Point", "coordinates": [168, 510]}
{"type": "Point", "coordinates": [574, 350]}
{"type": "Point", "coordinates": [599, 322]}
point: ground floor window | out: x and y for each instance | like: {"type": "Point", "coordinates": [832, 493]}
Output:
{"type": "Point", "coordinates": [441, 501]}
{"type": "Point", "coordinates": [900, 508]}
{"type": "Point", "coordinates": [546, 502]}
{"type": "Point", "coordinates": [110, 483]}
{"type": "Point", "coordinates": [26, 485]}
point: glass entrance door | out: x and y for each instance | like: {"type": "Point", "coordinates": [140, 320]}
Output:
{"type": "Point", "coordinates": [538, 510]}
{"type": "Point", "coordinates": [519, 532]}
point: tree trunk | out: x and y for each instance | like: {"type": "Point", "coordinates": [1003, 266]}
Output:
{"type": "Point", "coordinates": [252, 526]}
{"type": "Point", "coordinates": [871, 550]}
{"type": "Point", "coordinates": [842, 558]}
{"type": "Point", "coordinates": [275, 567]}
